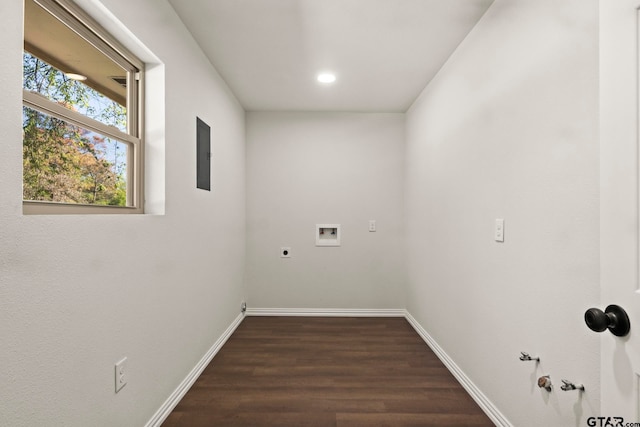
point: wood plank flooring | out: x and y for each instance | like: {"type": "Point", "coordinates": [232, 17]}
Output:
{"type": "Point", "coordinates": [306, 371]}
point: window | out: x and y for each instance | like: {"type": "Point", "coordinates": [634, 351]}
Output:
{"type": "Point", "coordinates": [81, 115]}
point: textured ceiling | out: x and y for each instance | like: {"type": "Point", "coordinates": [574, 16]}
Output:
{"type": "Point", "coordinates": [383, 52]}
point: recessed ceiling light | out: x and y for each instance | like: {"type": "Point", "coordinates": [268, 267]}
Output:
{"type": "Point", "coordinates": [74, 76]}
{"type": "Point", "coordinates": [326, 77]}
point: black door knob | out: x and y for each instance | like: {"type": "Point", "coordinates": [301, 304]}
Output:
{"type": "Point", "coordinates": [613, 318]}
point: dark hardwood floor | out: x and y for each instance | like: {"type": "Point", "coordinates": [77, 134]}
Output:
{"type": "Point", "coordinates": [302, 371]}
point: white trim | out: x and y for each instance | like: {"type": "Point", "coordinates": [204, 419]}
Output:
{"type": "Point", "coordinates": [483, 401]}
{"type": "Point", "coordinates": [327, 312]}
{"type": "Point", "coordinates": [173, 400]}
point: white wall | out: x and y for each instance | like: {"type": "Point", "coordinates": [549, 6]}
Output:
{"type": "Point", "coordinates": [78, 293]}
{"type": "Point", "coordinates": [310, 168]}
{"type": "Point", "coordinates": [508, 129]}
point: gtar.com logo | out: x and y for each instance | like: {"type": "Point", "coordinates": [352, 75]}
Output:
{"type": "Point", "coordinates": [605, 422]}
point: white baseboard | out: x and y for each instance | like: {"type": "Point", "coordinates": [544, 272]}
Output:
{"type": "Point", "coordinates": [485, 404]}
{"type": "Point", "coordinates": [326, 312]}
{"type": "Point", "coordinates": [173, 400]}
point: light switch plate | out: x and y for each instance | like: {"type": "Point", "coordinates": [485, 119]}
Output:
{"type": "Point", "coordinates": [499, 230]}
{"type": "Point", "coordinates": [121, 374]}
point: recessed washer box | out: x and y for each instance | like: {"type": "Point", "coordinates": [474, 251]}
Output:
{"type": "Point", "coordinates": [327, 234]}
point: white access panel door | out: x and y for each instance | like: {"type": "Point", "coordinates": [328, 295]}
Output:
{"type": "Point", "coordinates": [619, 197]}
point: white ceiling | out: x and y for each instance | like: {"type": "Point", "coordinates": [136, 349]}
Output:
{"type": "Point", "coordinates": [384, 52]}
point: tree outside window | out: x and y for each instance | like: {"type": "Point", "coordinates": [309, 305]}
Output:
{"type": "Point", "coordinates": [63, 162]}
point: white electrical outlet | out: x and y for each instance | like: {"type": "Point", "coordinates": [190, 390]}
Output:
{"type": "Point", "coordinates": [499, 230]}
{"type": "Point", "coordinates": [372, 225]}
{"type": "Point", "coordinates": [285, 252]}
{"type": "Point", "coordinates": [121, 374]}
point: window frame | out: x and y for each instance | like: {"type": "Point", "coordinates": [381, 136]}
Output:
{"type": "Point", "coordinates": [86, 27]}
